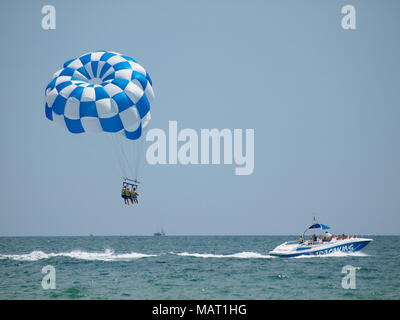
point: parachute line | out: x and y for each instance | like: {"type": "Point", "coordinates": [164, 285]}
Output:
{"type": "Point", "coordinates": [128, 154]}
{"type": "Point", "coordinates": [118, 154]}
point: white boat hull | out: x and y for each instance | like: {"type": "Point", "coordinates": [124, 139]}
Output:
{"type": "Point", "coordinates": [288, 249]}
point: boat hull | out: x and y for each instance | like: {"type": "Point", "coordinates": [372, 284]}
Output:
{"type": "Point", "coordinates": [345, 247]}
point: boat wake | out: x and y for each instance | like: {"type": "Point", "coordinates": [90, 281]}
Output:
{"type": "Point", "coordinates": [107, 255]}
{"type": "Point", "coordinates": [110, 255]}
{"type": "Point", "coordinates": [240, 255]}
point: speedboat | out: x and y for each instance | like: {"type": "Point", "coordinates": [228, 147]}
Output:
{"type": "Point", "coordinates": [322, 245]}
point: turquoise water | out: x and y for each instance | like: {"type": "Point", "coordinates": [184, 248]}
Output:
{"type": "Point", "coordinates": [191, 267]}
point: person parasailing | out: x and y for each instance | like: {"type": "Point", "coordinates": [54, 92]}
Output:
{"type": "Point", "coordinates": [135, 195]}
{"type": "Point", "coordinates": [129, 190]}
{"type": "Point", "coordinates": [123, 194]}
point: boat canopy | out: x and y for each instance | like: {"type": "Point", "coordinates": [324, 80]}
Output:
{"type": "Point", "coordinates": [316, 225]}
{"type": "Point", "coordinates": [319, 226]}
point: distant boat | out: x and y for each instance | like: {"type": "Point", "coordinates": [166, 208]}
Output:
{"type": "Point", "coordinates": [159, 234]}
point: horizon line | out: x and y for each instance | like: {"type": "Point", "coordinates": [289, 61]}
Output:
{"type": "Point", "coordinates": [177, 235]}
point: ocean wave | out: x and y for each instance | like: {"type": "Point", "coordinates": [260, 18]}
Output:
{"type": "Point", "coordinates": [107, 255]}
{"type": "Point", "coordinates": [240, 255]}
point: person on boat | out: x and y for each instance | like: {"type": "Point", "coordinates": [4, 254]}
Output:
{"type": "Point", "coordinates": [128, 195]}
{"type": "Point", "coordinates": [328, 236]}
{"type": "Point", "coordinates": [314, 238]}
{"type": "Point", "coordinates": [301, 240]}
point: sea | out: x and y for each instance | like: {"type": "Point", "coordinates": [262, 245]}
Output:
{"type": "Point", "coordinates": [191, 267]}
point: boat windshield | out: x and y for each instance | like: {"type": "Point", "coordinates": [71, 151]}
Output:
{"type": "Point", "coordinates": [293, 242]}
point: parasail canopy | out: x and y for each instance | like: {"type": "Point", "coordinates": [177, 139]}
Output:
{"type": "Point", "coordinates": [101, 92]}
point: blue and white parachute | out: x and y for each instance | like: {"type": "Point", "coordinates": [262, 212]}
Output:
{"type": "Point", "coordinates": [101, 92]}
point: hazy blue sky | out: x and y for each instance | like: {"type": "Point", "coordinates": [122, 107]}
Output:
{"type": "Point", "coordinates": [324, 103]}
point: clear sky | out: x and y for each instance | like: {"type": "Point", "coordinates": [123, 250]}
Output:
{"type": "Point", "coordinates": [324, 103]}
